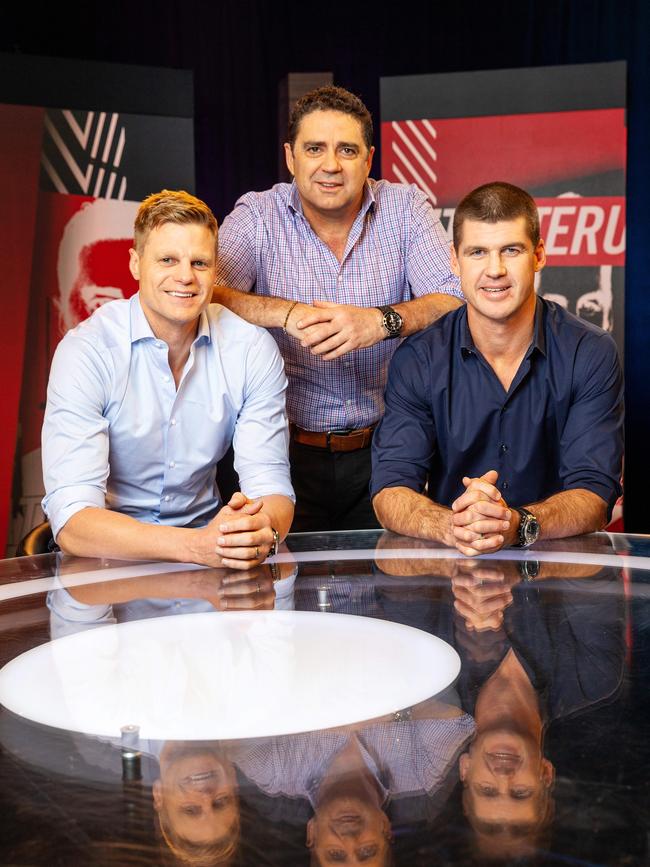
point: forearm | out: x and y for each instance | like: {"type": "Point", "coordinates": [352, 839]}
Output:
{"type": "Point", "coordinates": [422, 312]}
{"type": "Point", "coordinates": [261, 310]}
{"type": "Point", "coordinates": [95, 532]}
{"type": "Point", "coordinates": [569, 513]}
{"type": "Point", "coordinates": [280, 511]}
{"type": "Point", "coordinates": [404, 511]}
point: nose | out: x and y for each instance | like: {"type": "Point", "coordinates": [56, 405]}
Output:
{"type": "Point", "coordinates": [495, 266]}
{"type": "Point", "coordinates": [331, 161]}
{"type": "Point", "coordinates": [184, 273]}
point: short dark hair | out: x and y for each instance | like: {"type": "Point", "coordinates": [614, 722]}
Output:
{"type": "Point", "coordinates": [494, 202]}
{"type": "Point", "coordinates": [330, 98]}
{"type": "Point", "coordinates": [171, 206]}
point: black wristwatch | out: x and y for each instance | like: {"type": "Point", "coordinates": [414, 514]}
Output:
{"type": "Point", "coordinates": [276, 543]}
{"type": "Point", "coordinates": [392, 322]}
{"type": "Point", "coordinates": [529, 529]}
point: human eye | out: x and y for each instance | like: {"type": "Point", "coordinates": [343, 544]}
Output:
{"type": "Point", "coordinates": [488, 791]}
{"type": "Point", "coordinates": [190, 810]}
{"type": "Point", "coordinates": [167, 260]}
{"type": "Point", "coordinates": [348, 151]}
{"type": "Point", "coordinates": [476, 252]}
{"type": "Point", "coordinates": [512, 250]}
{"type": "Point", "coordinates": [521, 793]}
{"type": "Point", "coordinates": [336, 855]}
{"type": "Point", "coordinates": [313, 150]}
{"type": "Point", "coordinates": [200, 263]}
{"type": "Point", "coordinates": [220, 803]}
{"type": "Point", "coordinates": [367, 852]}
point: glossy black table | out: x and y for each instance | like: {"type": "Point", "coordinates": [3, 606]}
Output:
{"type": "Point", "coordinates": [540, 750]}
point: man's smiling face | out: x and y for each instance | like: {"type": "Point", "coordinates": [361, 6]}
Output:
{"type": "Point", "coordinates": [330, 163]}
{"type": "Point", "coordinates": [496, 263]}
{"type": "Point", "coordinates": [176, 269]}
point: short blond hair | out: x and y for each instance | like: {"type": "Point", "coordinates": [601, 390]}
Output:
{"type": "Point", "coordinates": [171, 206]}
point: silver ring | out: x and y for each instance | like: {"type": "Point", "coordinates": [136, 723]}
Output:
{"type": "Point", "coordinates": [257, 553]}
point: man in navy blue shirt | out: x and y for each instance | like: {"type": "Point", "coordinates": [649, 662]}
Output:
{"type": "Point", "coordinates": [504, 419]}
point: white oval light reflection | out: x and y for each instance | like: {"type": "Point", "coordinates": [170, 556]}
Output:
{"type": "Point", "coordinates": [222, 676]}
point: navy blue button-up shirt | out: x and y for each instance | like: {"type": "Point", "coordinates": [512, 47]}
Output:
{"type": "Point", "coordinates": [558, 427]}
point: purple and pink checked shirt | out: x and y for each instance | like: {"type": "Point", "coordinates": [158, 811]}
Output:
{"type": "Point", "coordinates": [396, 250]}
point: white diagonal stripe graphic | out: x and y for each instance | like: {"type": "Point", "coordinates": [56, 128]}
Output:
{"type": "Point", "coordinates": [82, 180]}
{"type": "Point", "coordinates": [98, 183]}
{"type": "Point", "coordinates": [122, 191]}
{"type": "Point", "coordinates": [54, 177]}
{"type": "Point", "coordinates": [111, 184]}
{"type": "Point", "coordinates": [109, 138]}
{"type": "Point", "coordinates": [82, 136]}
{"type": "Point", "coordinates": [98, 134]}
{"type": "Point", "coordinates": [416, 154]}
{"type": "Point", "coordinates": [117, 159]}
{"type": "Point", "coordinates": [413, 171]}
{"type": "Point", "coordinates": [429, 129]}
{"type": "Point", "coordinates": [425, 144]}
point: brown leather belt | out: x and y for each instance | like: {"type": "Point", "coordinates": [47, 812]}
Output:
{"type": "Point", "coordinates": [334, 440]}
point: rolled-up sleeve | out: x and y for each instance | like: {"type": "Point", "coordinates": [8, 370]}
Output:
{"type": "Point", "coordinates": [75, 445]}
{"type": "Point", "coordinates": [428, 266]}
{"type": "Point", "coordinates": [405, 440]}
{"type": "Point", "coordinates": [261, 439]}
{"type": "Point", "coordinates": [237, 261]}
{"type": "Point", "coordinates": [591, 445]}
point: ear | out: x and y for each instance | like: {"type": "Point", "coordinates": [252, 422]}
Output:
{"type": "Point", "coordinates": [309, 842]}
{"type": "Point", "coordinates": [134, 264]}
{"type": "Point", "coordinates": [540, 255]}
{"type": "Point", "coordinates": [548, 773]}
{"type": "Point", "coordinates": [453, 259]}
{"type": "Point", "coordinates": [156, 791]}
{"type": "Point", "coordinates": [288, 156]}
{"type": "Point", "coordinates": [463, 766]}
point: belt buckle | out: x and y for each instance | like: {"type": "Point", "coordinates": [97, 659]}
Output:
{"type": "Point", "coordinates": [339, 432]}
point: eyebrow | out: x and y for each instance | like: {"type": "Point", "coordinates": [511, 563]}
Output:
{"type": "Point", "coordinates": [339, 144]}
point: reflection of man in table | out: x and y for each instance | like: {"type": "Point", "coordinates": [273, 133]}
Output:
{"type": "Point", "coordinates": [509, 400]}
{"type": "Point", "coordinates": [197, 802]}
{"type": "Point", "coordinates": [339, 264]}
{"type": "Point", "coordinates": [145, 397]}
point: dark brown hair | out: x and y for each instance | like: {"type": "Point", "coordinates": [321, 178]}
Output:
{"type": "Point", "coordinates": [494, 202]}
{"type": "Point", "coordinates": [171, 206]}
{"type": "Point", "coordinates": [330, 98]}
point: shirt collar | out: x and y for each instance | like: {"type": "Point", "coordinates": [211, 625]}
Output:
{"type": "Point", "coordinates": [468, 347]}
{"type": "Point", "coordinates": [294, 202]}
{"type": "Point", "coordinates": [141, 330]}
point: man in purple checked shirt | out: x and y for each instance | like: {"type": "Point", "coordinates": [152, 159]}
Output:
{"type": "Point", "coordinates": [341, 267]}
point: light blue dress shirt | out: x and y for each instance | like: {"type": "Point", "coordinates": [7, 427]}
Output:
{"type": "Point", "coordinates": [117, 433]}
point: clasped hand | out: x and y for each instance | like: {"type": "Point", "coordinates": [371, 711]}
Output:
{"type": "Point", "coordinates": [331, 330]}
{"type": "Point", "coordinates": [481, 521]}
{"type": "Point", "coordinates": [238, 537]}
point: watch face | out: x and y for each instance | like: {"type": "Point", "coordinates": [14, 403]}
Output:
{"type": "Point", "coordinates": [393, 322]}
{"type": "Point", "coordinates": [531, 530]}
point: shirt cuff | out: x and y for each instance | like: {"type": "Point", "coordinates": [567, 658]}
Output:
{"type": "Point", "coordinates": [61, 505]}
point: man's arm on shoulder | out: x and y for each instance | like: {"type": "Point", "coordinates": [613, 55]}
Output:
{"type": "Point", "coordinates": [237, 273]}
{"type": "Point", "coordinates": [335, 329]}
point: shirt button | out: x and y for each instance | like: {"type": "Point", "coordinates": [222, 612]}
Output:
{"type": "Point", "coordinates": [167, 498]}
{"type": "Point", "coordinates": [348, 402]}
{"type": "Point", "coordinates": [503, 448]}
{"type": "Point", "coordinates": [505, 486]}
{"type": "Point", "coordinates": [172, 464]}
{"type": "Point", "coordinates": [166, 378]}
{"type": "Point", "coordinates": [173, 421]}
{"type": "Point", "coordinates": [159, 345]}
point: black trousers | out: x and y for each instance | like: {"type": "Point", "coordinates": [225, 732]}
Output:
{"type": "Point", "coordinates": [331, 489]}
